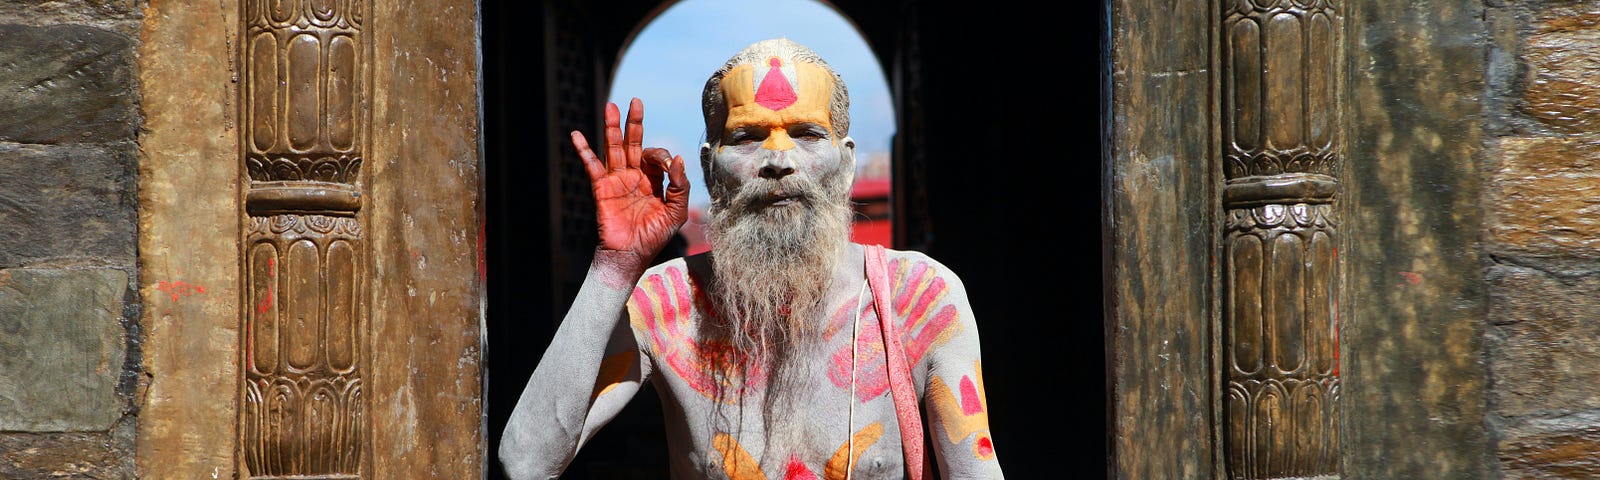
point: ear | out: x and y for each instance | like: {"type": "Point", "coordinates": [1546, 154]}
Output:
{"type": "Point", "coordinates": [705, 166]}
{"type": "Point", "coordinates": [849, 151]}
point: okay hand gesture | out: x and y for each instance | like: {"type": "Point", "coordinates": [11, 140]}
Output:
{"type": "Point", "coordinates": [636, 215]}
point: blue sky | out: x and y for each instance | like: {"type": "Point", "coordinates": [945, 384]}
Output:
{"type": "Point", "coordinates": [668, 63]}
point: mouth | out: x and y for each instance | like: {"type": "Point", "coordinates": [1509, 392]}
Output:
{"type": "Point", "coordinates": [781, 198]}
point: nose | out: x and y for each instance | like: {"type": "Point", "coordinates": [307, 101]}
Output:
{"type": "Point", "coordinates": [778, 140]}
{"type": "Point", "coordinates": [777, 166]}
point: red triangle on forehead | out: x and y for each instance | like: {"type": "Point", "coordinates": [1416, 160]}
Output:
{"type": "Point", "coordinates": [775, 92]}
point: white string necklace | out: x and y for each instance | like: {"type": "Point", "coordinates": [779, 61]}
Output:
{"type": "Point", "coordinates": [850, 421]}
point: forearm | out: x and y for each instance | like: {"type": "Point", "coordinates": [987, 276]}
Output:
{"type": "Point", "coordinates": [548, 422]}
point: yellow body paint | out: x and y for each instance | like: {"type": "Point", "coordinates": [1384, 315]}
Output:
{"type": "Point", "coordinates": [839, 465]}
{"type": "Point", "coordinates": [736, 462]}
{"type": "Point", "coordinates": [613, 370]}
{"type": "Point", "coordinates": [964, 412]}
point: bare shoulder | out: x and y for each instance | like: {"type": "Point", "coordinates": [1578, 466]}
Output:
{"type": "Point", "coordinates": [679, 264]}
{"type": "Point", "coordinates": [909, 268]}
{"type": "Point", "coordinates": [675, 276]}
{"type": "Point", "coordinates": [663, 297]}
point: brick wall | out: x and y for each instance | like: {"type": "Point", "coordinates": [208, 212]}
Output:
{"type": "Point", "coordinates": [1543, 239]}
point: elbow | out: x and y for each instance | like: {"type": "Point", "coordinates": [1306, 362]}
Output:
{"type": "Point", "coordinates": [513, 456]}
{"type": "Point", "coordinates": [521, 459]}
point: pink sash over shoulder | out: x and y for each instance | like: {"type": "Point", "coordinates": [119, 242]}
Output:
{"type": "Point", "coordinates": [900, 386]}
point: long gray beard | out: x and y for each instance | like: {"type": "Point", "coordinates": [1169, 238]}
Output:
{"type": "Point", "coordinates": [773, 266]}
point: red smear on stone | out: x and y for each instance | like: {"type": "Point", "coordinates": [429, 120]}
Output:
{"type": "Point", "coordinates": [970, 404]}
{"type": "Point", "coordinates": [797, 470]}
{"type": "Point", "coordinates": [1411, 277]}
{"type": "Point", "coordinates": [985, 447]}
{"type": "Point", "coordinates": [774, 92]}
{"type": "Point", "coordinates": [265, 304]}
{"type": "Point", "coordinates": [179, 288]}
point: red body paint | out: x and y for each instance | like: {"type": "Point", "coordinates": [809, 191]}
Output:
{"type": "Point", "coordinates": [984, 447]}
{"type": "Point", "coordinates": [663, 314]}
{"type": "Point", "coordinates": [775, 92]}
{"type": "Point", "coordinates": [916, 291]}
{"type": "Point", "coordinates": [797, 470]}
{"type": "Point", "coordinates": [970, 403]}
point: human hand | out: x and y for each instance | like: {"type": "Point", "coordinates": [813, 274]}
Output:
{"type": "Point", "coordinates": [636, 215]}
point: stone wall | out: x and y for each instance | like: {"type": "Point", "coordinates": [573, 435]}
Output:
{"type": "Point", "coordinates": [1543, 239]}
{"type": "Point", "coordinates": [1413, 355]}
{"type": "Point", "coordinates": [69, 304]}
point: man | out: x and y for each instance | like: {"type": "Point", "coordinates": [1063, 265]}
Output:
{"type": "Point", "coordinates": [767, 351]}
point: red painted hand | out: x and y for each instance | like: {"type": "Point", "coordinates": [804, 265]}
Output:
{"type": "Point", "coordinates": [636, 215]}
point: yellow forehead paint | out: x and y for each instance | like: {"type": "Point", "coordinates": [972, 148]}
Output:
{"type": "Point", "coordinates": [777, 101]}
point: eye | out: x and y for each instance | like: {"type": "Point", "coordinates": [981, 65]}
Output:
{"type": "Point", "coordinates": [744, 135]}
{"type": "Point", "coordinates": [809, 131]}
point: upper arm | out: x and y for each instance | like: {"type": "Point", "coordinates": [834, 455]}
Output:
{"type": "Point", "coordinates": [623, 371]}
{"type": "Point", "coordinates": [958, 411]}
{"type": "Point", "coordinates": [587, 374]}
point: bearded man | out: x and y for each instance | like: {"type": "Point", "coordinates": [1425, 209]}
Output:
{"type": "Point", "coordinates": [767, 351]}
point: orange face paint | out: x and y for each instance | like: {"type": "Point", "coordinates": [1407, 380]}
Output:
{"type": "Point", "coordinates": [775, 96]}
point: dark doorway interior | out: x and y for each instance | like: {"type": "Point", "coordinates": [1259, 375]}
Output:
{"type": "Point", "coordinates": [1009, 116]}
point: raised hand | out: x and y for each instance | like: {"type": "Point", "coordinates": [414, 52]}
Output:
{"type": "Point", "coordinates": [635, 214]}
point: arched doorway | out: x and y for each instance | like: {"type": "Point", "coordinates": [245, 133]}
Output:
{"type": "Point", "coordinates": [667, 61]}
{"type": "Point", "coordinates": [993, 171]}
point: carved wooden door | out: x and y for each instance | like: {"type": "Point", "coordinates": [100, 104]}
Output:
{"type": "Point", "coordinates": [345, 339]}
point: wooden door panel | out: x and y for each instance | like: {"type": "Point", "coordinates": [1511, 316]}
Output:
{"type": "Point", "coordinates": [313, 167]}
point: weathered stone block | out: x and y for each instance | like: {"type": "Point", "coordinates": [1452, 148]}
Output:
{"type": "Point", "coordinates": [1562, 55]}
{"type": "Point", "coordinates": [61, 349]}
{"type": "Point", "coordinates": [46, 10]}
{"type": "Point", "coordinates": [1545, 198]}
{"type": "Point", "coordinates": [1544, 341]}
{"type": "Point", "coordinates": [1552, 447]}
{"type": "Point", "coordinates": [66, 201]}
{"type": "Point", "coordinates": [61, 455]}
{"type": "Point", "coordinates": [66, 83]}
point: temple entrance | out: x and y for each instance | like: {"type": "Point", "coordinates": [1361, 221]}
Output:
{"type": "Point", "coordinates": [969, 187]}
{"type": "Point", "coordinates": [345, 291]}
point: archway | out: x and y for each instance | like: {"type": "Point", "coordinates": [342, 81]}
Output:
{"type": "Point", "coordinates": [667, 61]}
{"type": "Point", "coordinates": [992, 159]}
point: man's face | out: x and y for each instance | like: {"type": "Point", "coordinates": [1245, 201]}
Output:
{"type": "Point", "coordinates": [778, 126]}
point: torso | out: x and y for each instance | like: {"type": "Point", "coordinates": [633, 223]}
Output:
{"type": "Point", "coordinates": [811, 438]}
